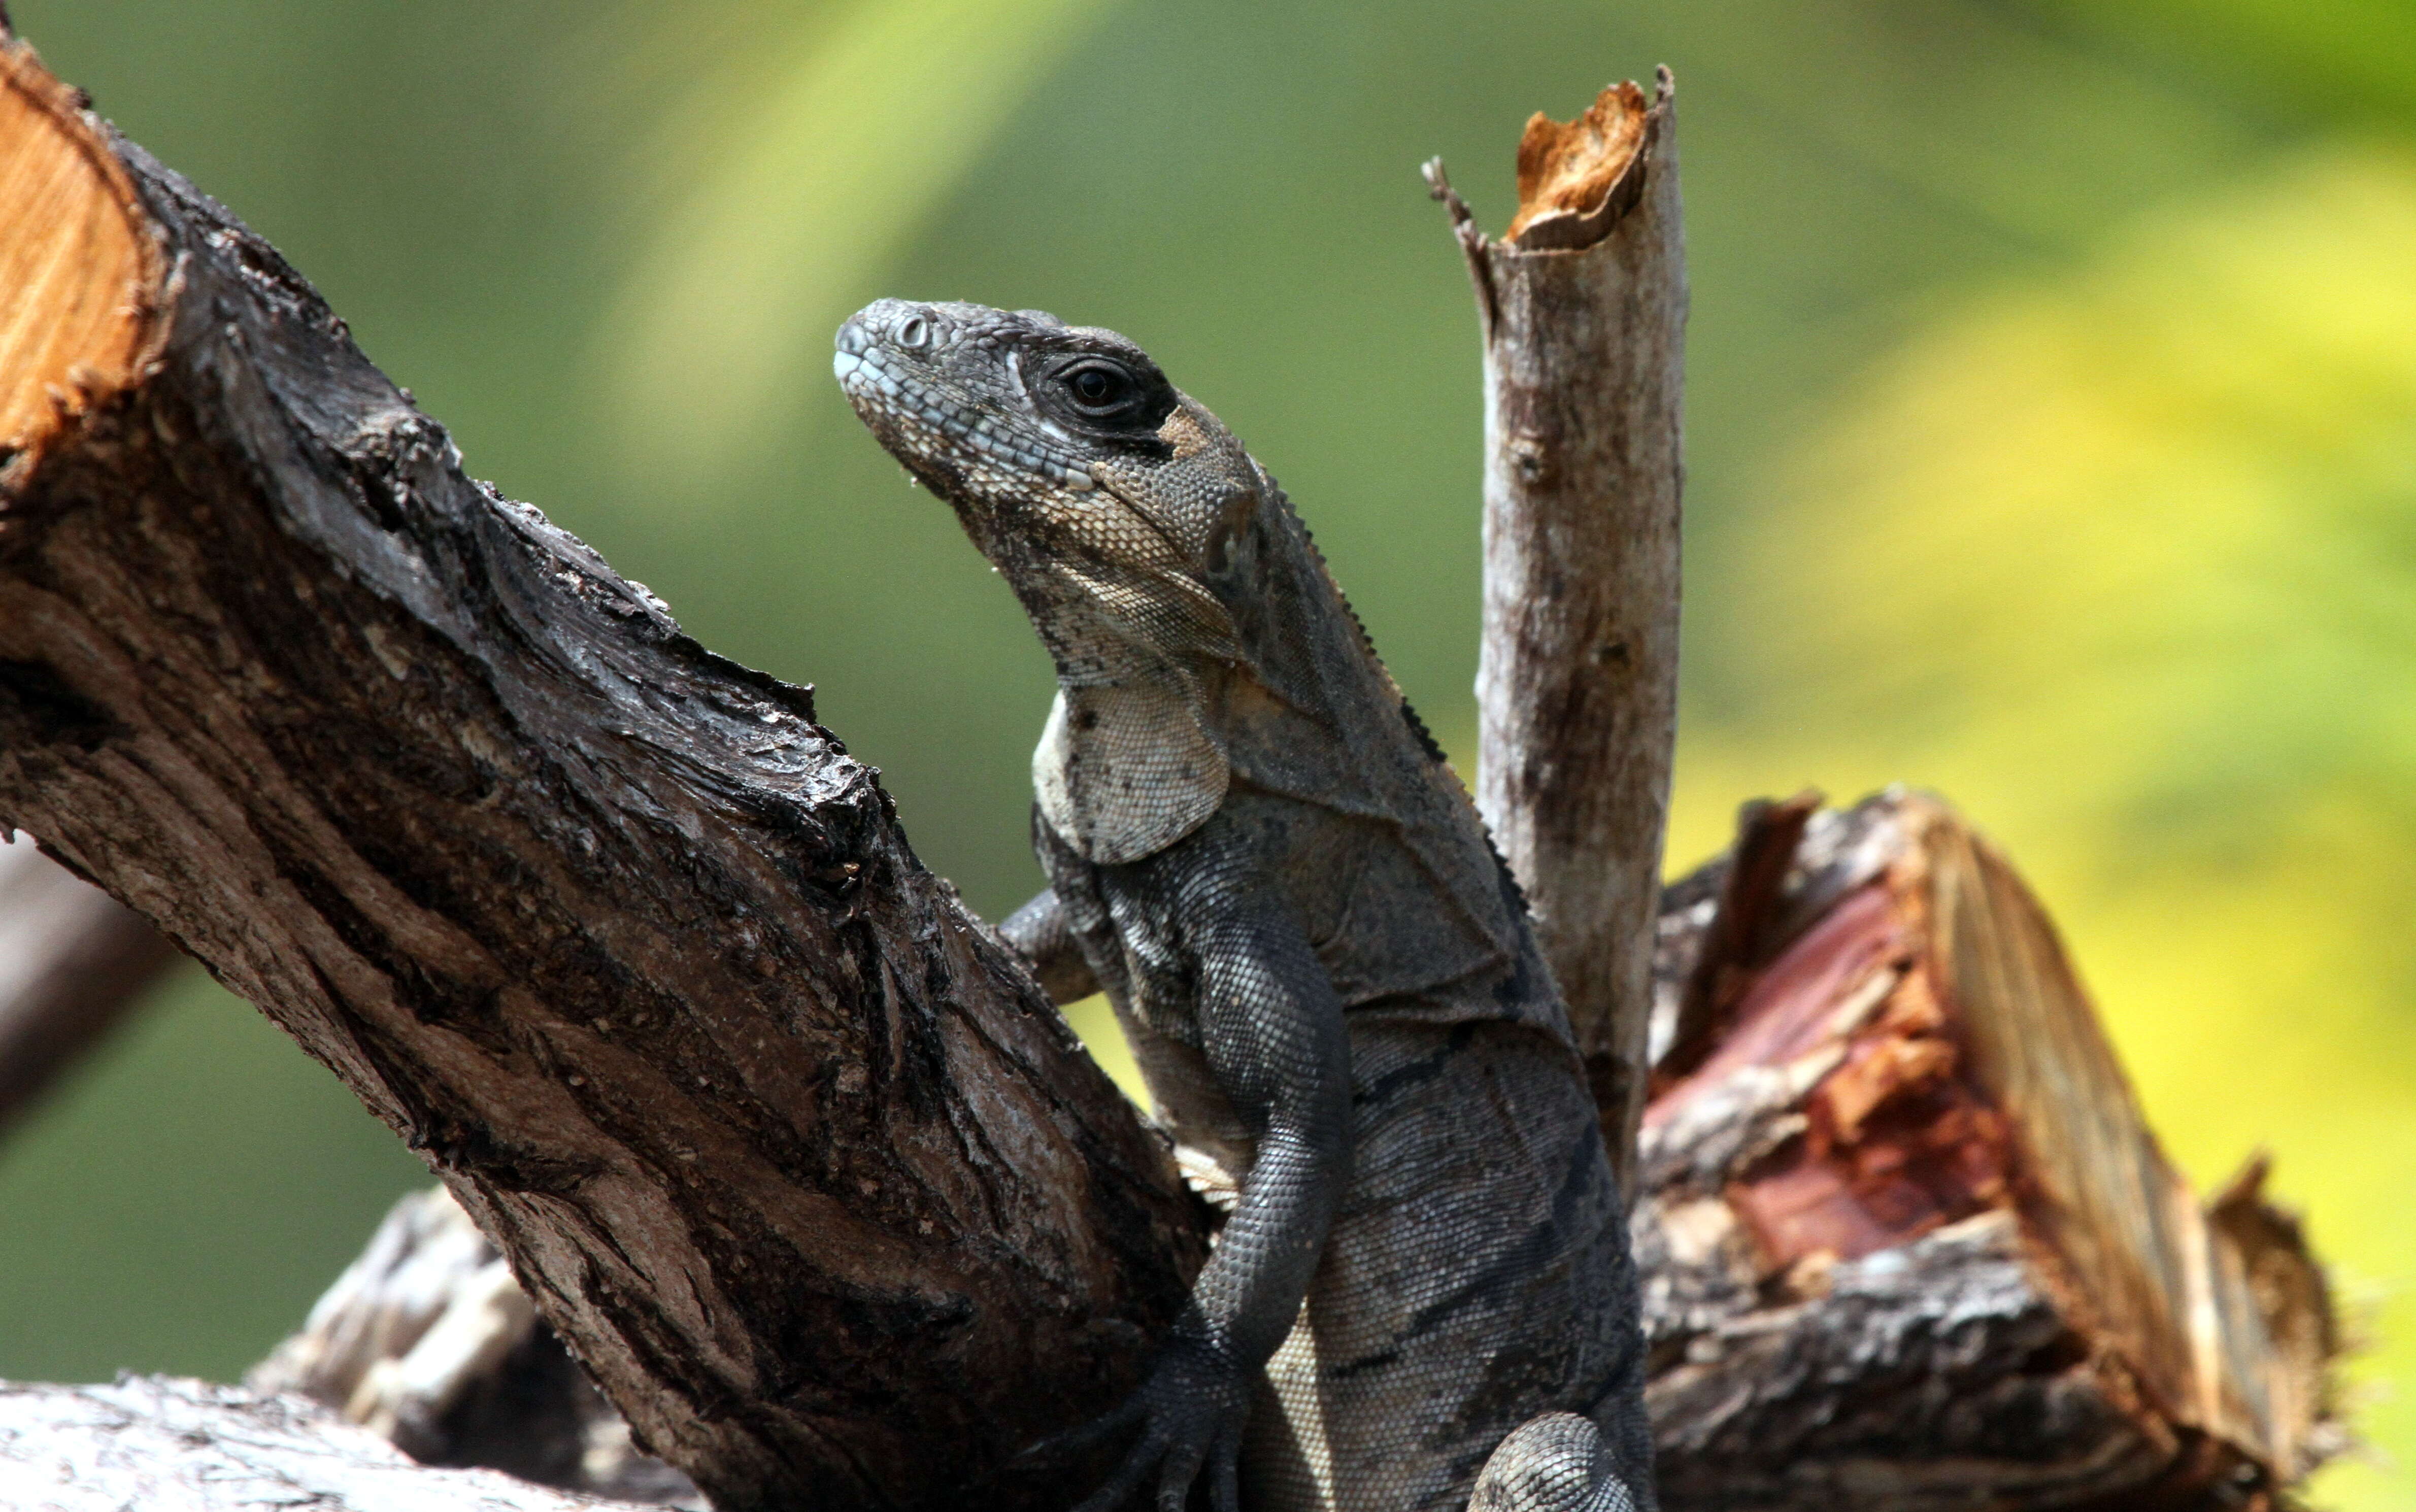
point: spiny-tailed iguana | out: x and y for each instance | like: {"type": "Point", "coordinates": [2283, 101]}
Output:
{"type": "Point", "coordinates": [1325, 972]}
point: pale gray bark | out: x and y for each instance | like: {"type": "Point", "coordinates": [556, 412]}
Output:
{"type": "Point", "coordinates": [427, 1341]}
{"type": "Point", "coordinates": [159, 1445]}
{"type": "Point", "coordinates": [1583, 313]}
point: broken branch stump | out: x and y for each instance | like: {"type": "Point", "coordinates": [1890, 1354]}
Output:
{"type": "Point", "coordinates": [1583, 310]}
{"type": "Point", "coordinates": [1907, 1241]}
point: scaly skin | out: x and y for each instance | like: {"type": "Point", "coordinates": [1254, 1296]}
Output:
{"type": "Point", "coordinates": [1325, 970]}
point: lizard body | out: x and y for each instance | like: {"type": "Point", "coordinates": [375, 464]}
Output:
{"type": "Point", "coordinates": [1325, 970]}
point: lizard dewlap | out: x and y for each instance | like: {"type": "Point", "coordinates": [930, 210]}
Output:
{"type": "Point", "coordinates": [1325, 972]}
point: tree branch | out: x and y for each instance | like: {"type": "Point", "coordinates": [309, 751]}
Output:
{"type": "Point", "coordinates": [73, 962]}
{"type": "Point", "coordinates": [1583, 310]}
{"type": "Point", "coordinates": [170, 1445]}
{"type": "Point", "coordinates": [782, 1144]}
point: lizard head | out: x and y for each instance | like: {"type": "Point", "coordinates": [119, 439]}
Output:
{"type": "Point", "coordinates": [1066, 452]}
{"type": "Point", "coordinates": [1111, 502]}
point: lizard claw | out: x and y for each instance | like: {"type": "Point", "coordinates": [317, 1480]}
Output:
{"type": "Point", "coordinates": [1058, 1447]}
{"type": "Point", "coordinates": [1192, 1410]}
{"type": "Point", "coordinates": [1227, 1458]}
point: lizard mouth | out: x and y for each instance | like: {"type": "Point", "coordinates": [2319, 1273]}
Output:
{"type": "Point", "coordinates": [913, 414]}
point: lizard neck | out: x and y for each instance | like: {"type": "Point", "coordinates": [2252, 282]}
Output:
{"type": "Point", "coordinates": [1128, 764]}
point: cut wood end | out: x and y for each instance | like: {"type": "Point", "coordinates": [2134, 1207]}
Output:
{"type": "Point", "coordinates": [1939, 1061]}
{"type": "Point", "coordinates": [1576, 179]}
{"type": "Point", "coordinates": [80, 268]}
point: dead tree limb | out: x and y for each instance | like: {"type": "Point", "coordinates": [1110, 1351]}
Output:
{"type": "Point", "coordinates": [426, 1342]}
{"type": "Point", "coordinates": [169, 1445]}
{"type": "Point", "coordinates": [1907, 1243]}
{"type": "Point", "coordinates": [1583, 306]}
{"type": "Point", "coordinates": [780, 1142]}
{"type": "Point", "coordinates": [73, 962]}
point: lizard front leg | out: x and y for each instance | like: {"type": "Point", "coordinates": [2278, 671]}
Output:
{"type": "Point", "coordinates": [1041, 933]}
{"type": "Point", "coordinates": [1272, 1032]}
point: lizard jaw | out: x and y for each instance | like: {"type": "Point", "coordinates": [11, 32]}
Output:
{"type": "Point", "coordinates": [889, 396]}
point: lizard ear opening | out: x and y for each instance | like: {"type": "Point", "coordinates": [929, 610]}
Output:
{"type": "Point", "coordinates": [1124, 772]}
{"type": "Point", "coordinates": [1231, 522]}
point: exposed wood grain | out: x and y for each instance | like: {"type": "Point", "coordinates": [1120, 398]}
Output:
{"type": "Point", "coordinates": [782, 1144]}
{"type": "Point", "coordinates": [1583, 311]}
{"type": "Point", "coordinates": [1909, 1244]}
{"type": "Point", "coordinates": [1752, 890]}
{"type": "Point", "coordinates": [77, 267]}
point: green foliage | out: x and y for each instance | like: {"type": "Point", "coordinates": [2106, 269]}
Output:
{"type": "Point", "coordinates": [815, 150]}
{"type": "Point", "coordinates": [2053, 368]}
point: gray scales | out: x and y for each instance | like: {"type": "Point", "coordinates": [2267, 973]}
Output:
{"type": "Point", "coordinates": [1326, 973]}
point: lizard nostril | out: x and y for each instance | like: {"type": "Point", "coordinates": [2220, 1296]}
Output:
{"type": "Point", "coordinates": [914, 333]}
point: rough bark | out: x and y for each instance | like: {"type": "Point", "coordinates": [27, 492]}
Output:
{"type": "Point", "coordinates": [1906, 1242]}
{"type": "Point", "coordinates": [782, 1144]}
{"type": "Point", "coordinates": [169, 1445]}
{"type": "Point", "coordinates": [426, 1342]}
{"type": "Point", "coordinates": [1582, 305]}
{"type": "Point", "coordinates": [73, 964]}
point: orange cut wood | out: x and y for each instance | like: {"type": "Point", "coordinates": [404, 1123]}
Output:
{"type": "Point", "coordinates": [80, 264]}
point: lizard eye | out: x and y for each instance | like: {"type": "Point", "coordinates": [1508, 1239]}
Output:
{"type": "Point", "coordinates": [1101, 389]}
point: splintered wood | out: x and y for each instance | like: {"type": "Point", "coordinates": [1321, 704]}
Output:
{"type": "Point", "coordinates": [1575, 173]}
{"type": "Point", "coordinates": [78, 268]}
{"type": "Point", "coordinates": [1905, 1237]}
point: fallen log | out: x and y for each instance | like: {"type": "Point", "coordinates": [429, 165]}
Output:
{"type": "Point", "coordinates": [162, 1444]}
{"type": "Point", "coordinates": [1908, 1243]}
{"type": "Point", "coordinates": [428, 1343]}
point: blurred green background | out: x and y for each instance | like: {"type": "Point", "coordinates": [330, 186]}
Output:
{"type": "Point", "coordinates": [2051, 434]}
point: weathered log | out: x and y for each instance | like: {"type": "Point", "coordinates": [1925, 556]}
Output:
{"type": "Point", "coordinates": [73, 964]}
{"type": "Point", "coordinates": [786, 1148]}
{"type": "Point", "coordinates": [1906, 1241]}
{"type": "Point", "coordinates": [1583, 306]}
{"type": "Point", "coordinates": [167, 1446]}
